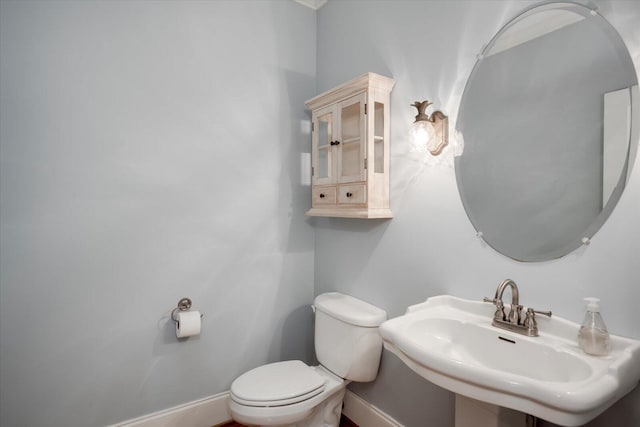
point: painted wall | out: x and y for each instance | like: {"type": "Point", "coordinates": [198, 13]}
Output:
{"type": "Point", "coordinates": [150, 150]}
{"type": "Point", "coordinates": [429, 247]}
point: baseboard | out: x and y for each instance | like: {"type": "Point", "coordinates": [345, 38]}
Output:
{"type": "Point", "coordinates": [364, 413]}
{"type": "Point", "coordinates": [212, 411]}
{"type": "Point", "coordinates": [205, 412]}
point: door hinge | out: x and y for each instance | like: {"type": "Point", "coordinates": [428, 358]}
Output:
{"type": "Point", "coordinates": [365, 164]}
{"type": "Point", "coordinates": [313, 171]}
{"type": "Point", "coordinates": [365, 108]}
{"type": "Point", "coordinates": [313, 126]}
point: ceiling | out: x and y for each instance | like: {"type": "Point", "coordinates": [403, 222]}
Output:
{"type": "Point", "coordinates": [313, 4]}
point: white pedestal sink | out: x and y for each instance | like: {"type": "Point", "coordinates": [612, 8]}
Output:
{"type": "Point", "coordinates": [451, 342]}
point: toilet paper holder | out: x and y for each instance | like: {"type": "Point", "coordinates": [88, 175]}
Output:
{"type": "Point", "coordinates": [183, 305]}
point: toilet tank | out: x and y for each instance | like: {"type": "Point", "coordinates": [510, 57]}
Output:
{"type": "Point", "coordinates": [347, 341]}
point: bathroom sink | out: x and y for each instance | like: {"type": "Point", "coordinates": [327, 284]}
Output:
{"type": "Point", "coordinates": [450, 341]}
{"type": "Point", "coordinates": [478, 346]}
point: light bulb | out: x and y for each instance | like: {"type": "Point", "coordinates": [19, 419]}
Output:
{"type": "Point", "coordinates": [422, 135]}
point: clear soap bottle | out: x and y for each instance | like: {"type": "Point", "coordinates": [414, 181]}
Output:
{"type": "Point", "coordinates": [593, 337]}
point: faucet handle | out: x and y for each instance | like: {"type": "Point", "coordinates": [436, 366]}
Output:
{"type": "Point", "coordinates": [546, 313]}
{"type": "Point", "coordinates": [499, 313]}
{"type": "Point", "coordinates": [514, 313]}
{"type": "Point", "coordinates": [531, 313]}
{"type": "Point", "coordinates": [530, 321]}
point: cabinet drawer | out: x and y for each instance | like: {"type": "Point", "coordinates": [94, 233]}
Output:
{"type": "Point", "coordinates": [323, 196]}
{"type": "Point", "coordinates": [352, 194]}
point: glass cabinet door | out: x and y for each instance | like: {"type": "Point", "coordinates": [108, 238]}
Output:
{"type": "Point", "coordinates": [351, 145]}
{"type": "Point", "coordinates": [339, 143]}
{"type": "Point", "coordinates": [323, 148]}
{"type": "Point", "coordinates": [378, 138]}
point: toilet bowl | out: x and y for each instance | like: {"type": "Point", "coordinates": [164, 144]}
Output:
{"type": "Point", "coordinates": [293, 394]}
{"type": "Point", "coordinates": [287, 407]}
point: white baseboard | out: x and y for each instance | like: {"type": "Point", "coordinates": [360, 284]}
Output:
{"type": "Point", "coordinates": [212, 410]}
{"type": "Point", "coordinates": [206, 412]}
{"type": "Point", "coordinates": [365, 414]}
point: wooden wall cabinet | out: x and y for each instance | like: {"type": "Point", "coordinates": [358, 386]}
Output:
{"type": "Point", "coordinates": [350, 149]}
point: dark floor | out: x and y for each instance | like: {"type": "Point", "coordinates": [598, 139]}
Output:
{"type": "Point", "coordinates": [344, 422]}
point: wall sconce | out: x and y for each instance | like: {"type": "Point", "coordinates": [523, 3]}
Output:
{"type": "Point", "coordinates": [429, 133]}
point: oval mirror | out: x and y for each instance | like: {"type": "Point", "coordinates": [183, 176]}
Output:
{"type": "Point", "coordinates": [546, 119]}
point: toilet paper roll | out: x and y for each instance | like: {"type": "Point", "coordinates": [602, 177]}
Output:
{"type": "Point", "coordinates": [188, 324]}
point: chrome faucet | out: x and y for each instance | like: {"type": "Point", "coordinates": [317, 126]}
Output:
{"type": "Point", "coordinates": [514, 321]}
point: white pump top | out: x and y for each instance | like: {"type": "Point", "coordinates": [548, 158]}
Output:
{"type": "Point", "coordinates": [593, 304]}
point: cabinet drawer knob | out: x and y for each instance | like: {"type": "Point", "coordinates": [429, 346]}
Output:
{"type": "Point", "coordinates": [349, 194]}
{"type": "Point", "coordinates": [322, 195]}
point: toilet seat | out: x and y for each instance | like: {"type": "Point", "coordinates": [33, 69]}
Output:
{"type": "Point", "coordinates": [277, 384]}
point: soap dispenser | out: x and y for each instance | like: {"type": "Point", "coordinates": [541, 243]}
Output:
{"type": "Point", "coordinates": [593, 337]}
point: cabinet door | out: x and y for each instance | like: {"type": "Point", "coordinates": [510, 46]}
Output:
{"type": "Point", "coordinates": [351, 147]}
{"type": "Point", "coordinates": [323, 157]}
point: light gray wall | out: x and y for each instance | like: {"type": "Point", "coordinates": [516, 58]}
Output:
{"type": "Point", "coordinates": [150, 150]}
{"type": "Point", "coordinates": [429, 247]}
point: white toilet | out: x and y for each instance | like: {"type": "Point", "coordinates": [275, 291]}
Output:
{"type": "Point", "coordinates": [293, 394]}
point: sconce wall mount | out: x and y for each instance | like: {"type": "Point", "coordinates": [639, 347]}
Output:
{"type": "Point", "coordinates": [429, 132]}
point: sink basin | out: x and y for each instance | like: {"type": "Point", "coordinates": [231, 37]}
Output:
{"type": "Point", "coordinates": [450, 341]}
{"type": "Point", "coordinates": [487, 348]}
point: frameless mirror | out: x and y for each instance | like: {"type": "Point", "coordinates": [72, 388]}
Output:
{"type": "Point", "coordinates": [546, 117]}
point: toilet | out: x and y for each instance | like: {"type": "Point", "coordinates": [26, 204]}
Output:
{"type": "Point", "coordinates": [293, 394]}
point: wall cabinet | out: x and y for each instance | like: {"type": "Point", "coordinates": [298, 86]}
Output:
{"type": "Point", "coordinates": [350, 149]}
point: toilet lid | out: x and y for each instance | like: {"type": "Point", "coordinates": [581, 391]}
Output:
{"type": "Point", "coordinates": [277, 384]}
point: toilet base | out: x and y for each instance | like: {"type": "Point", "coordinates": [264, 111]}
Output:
{"type": "Point", "coordinates": [326, 414]}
